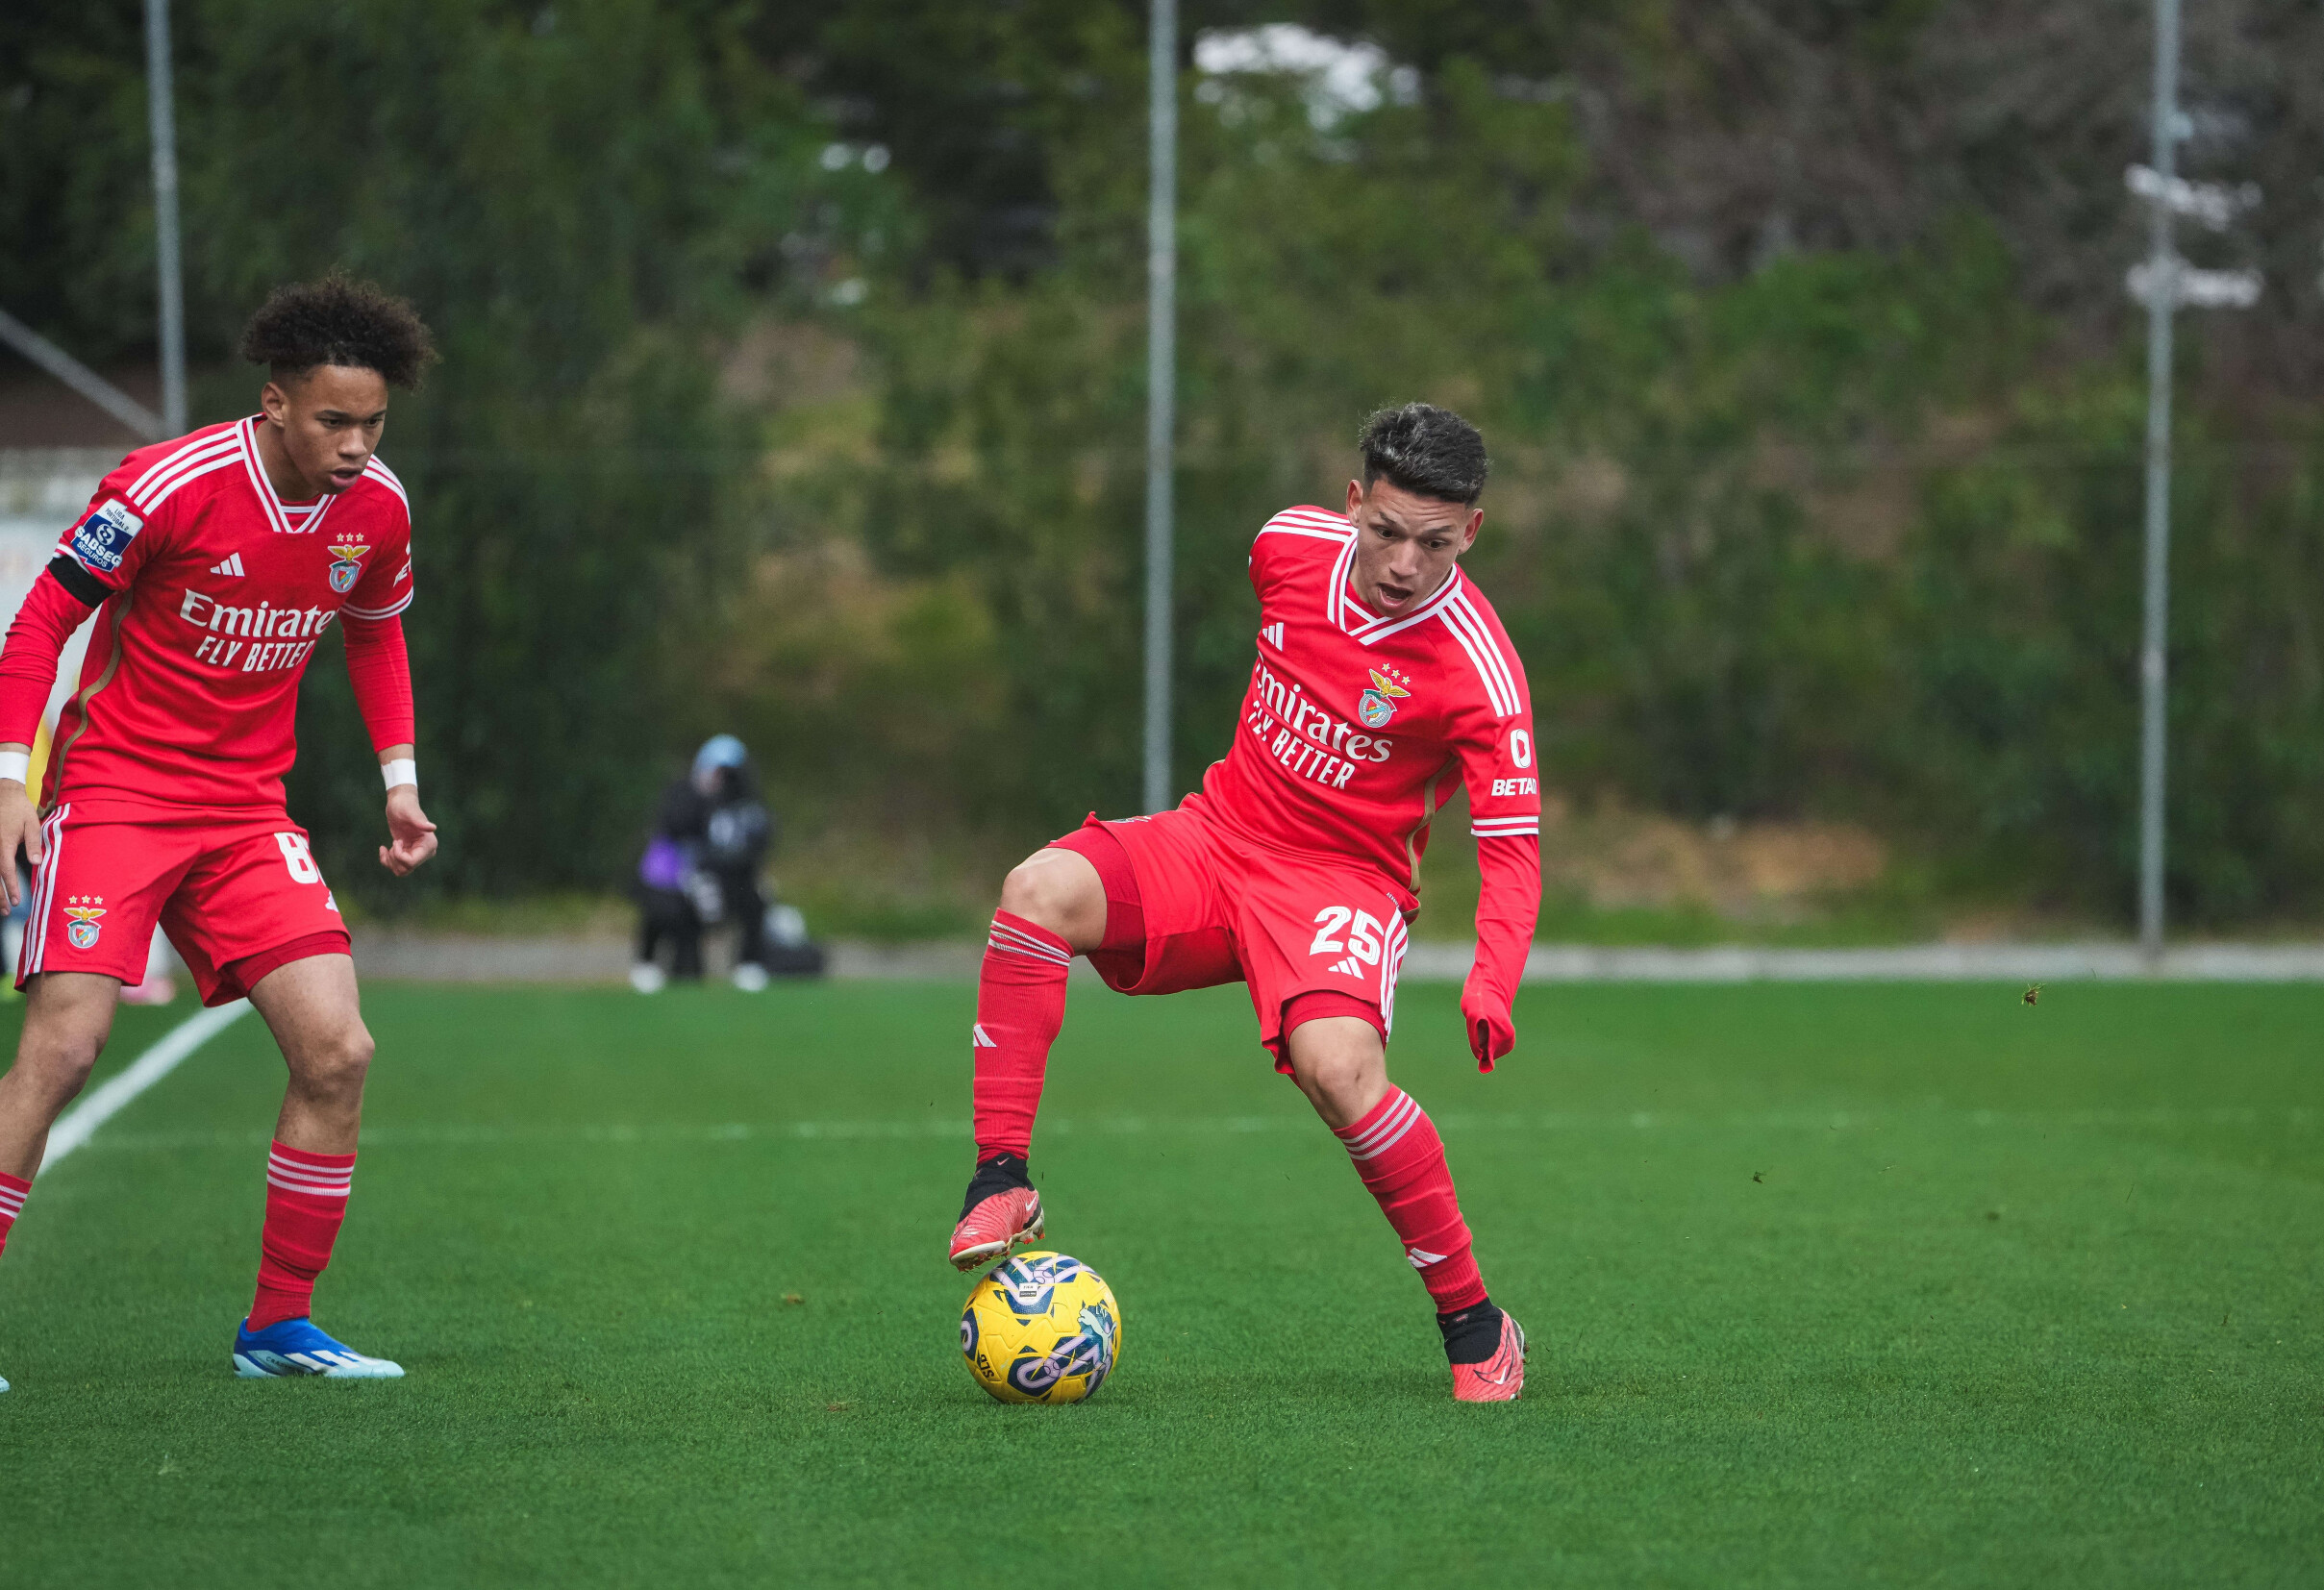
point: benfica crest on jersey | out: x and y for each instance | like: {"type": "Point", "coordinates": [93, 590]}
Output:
{"type": "Point", "coordinates": [1378, 702]}
{"type": "Point", "coordinates": [83, 933]}
{"type": "Point", "coordinates": [346, 565]}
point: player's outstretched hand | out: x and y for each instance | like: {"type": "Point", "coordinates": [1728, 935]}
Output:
{"type": "Point", "coordinates": [19, 827]}
{"type": "Point", "coordinates": [1491, 1031]}
{"type": "Point", "coordinates": [413, 835]}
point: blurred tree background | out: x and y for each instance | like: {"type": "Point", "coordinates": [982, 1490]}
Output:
{"type": "Point", "coordinates": [794, 385]}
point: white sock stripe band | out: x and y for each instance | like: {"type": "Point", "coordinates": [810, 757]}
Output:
{"type": "Point", "coordinates": [1397, 1103]}
{"type": "Point", "coordinates": [1411, 1119]}
{"type": "Point", "coordinates": [308, 1173]}
{"type": "Point", "coordinates": [291, 1175]}
{"type": "Point", "coordinates": [11, 1203]}
{"type": "Point", "coordinates": [1384, 1133]}
{"type": "Point", "coordinates": [299, 1162]}
{"type": "Point", "coordinates": [1006, 937]}
{"type": "Point", "coordinates": [1000, 926]}
{"type": "Point", "coordinates": [341, 1190]}
{"type": "Point", "coordinates": [1037, 952]}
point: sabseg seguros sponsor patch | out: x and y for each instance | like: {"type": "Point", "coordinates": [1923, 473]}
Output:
{"type": "Point", "coordinates": [99, 542]}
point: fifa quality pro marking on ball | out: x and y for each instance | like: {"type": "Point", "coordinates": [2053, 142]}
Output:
{"type": "Point", "coordinates": [1030, 1282]}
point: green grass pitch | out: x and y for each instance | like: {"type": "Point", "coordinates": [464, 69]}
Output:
{"type": "Point", "coordinates": [1827, 1286]}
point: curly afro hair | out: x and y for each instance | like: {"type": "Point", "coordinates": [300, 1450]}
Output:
{"type": "Point", "coordinates": [338, 320]}
{"type": "Point", "coordinates": [1430, 450]}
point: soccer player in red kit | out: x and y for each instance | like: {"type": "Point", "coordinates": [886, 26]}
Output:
{"type": "Point", "coordinates": [1382, 676]}
{"type": "Point", "coordinates": [215, 564]}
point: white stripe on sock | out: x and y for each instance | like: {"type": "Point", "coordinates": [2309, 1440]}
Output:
{"type": "Point", "coordinates": [1383, 1134]}
{"type": "Point", "coordinates": [1004, 937]}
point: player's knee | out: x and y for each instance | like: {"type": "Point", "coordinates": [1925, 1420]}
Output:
{"type": "Point", "coordinates": [1334, 1080]}
{"type": "Point", "coordinates": [58, 1056]}
{"type": "Point", "coordinates": [338, 1064]}
{"type": "Point", "coordinates": [60, 1063]}
{"type": "Point", "coordinates": [1340, 1066]}
{"type": "Point", "coordinates": [1042, 892]}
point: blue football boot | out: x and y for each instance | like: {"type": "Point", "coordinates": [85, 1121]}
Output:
{"type": "Point", "coordinates": [295, 1347]}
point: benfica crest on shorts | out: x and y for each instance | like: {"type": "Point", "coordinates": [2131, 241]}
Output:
{"type": "Point", "coordinates": [1378, 702]}
{"type": "Point", "coordinates": [346, 565]}
{"type": "Point", "coordinates": [83, 933]}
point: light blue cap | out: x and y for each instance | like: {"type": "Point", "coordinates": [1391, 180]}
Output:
{"type": "Point", "coordinates": [719, 751]}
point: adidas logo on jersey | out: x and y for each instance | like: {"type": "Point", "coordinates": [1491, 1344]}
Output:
{"type": "Point", "coordinates": [1350, 965]}
{"type": "Point", "coordinates": [1272, 635]}
{"type": "Point", "coordinates": [232, 568]}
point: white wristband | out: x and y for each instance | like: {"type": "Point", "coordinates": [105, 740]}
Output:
{"type": "Point", "coordinates": [401, 771]}
{"type": "Point", "coordinates": [16, 765]}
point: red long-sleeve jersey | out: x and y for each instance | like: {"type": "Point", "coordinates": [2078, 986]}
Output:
{"type": "Point", "coordinates": [1355, 727]}
{"type": "Point", "coordinates": [214, 594]}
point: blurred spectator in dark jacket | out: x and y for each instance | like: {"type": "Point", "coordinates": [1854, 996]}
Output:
{"type": "Point", "coordinates": [711, 833]}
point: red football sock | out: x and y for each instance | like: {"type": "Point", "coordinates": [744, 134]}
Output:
{"type": "Point", "coordinates": [1401, 1159]}
{"type": "Point", "coordinates": [12, 1189]}
{"type": "Point", "coordinates": [306, 1200]}
{"type": "Point", "coordinates": [1020, 1003]}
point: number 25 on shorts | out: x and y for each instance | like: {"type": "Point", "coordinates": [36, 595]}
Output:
{"type": "Point", "coordinates": [1363, 935]}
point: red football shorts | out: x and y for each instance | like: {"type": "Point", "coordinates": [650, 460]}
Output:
{"type": "Point", "coordinates": [238, 898]}
{"type": "Point", "coordinates": [1218, 909]}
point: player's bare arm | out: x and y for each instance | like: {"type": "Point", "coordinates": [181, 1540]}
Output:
{"type": "Point", "coordinates": [19, 823]}
{"type": "Point", "coordinates": [412, 838]}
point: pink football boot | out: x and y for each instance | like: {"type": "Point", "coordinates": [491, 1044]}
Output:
{"type": "Point", "coordinates": [1499, 1379]}
{"type": "Point", "coordinates": [996, 1225]}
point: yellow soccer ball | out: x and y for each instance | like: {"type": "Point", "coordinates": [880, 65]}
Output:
{"type": "Point", "coordinates": [1041, 1327]}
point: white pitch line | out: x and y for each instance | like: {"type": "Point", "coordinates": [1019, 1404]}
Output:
{"type": "Point", "coordinates": [79, 1124]}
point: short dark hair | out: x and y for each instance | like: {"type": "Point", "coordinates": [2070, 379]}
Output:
{"type": "Point", "coordinates": [1426, 450]}
{"type": "Point", "coordinates": [340, 321]}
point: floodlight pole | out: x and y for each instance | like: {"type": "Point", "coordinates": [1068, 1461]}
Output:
{"type": "Point", "coordinates": [1161, 376]}
{"type": "Point", "coordinates": [2162, 307]}
{"type": "Point", "coordinates": [161, 112]}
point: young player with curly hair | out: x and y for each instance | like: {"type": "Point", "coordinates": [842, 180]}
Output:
{"type": "Point", "coordinates": [1382, 676]}
{"type": "Point", "coordinates": [215, 562]}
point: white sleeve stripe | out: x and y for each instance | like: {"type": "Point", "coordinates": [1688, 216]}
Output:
{"type": "Point", "coordinates": [162, 492]}
{"type": "Point", "coordinates": [181, 459]}
{"type": "Point", "coordinates": [228, 440]}
{"type": "Point", "coordinates": [149, 494]}
{"type": "Point", "coordinates": [1488, 650]}
{"type": "Point", "coordinates": [1338, 594]}
{"type": "Point", "coordinates": [350, 610]}
{"type": "Point", "coordinates": [1505, 831]}
{"type": "Point", "coordinates": [1495, 690]}
{"type": "Point", "coordinates": [1293, 530]}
